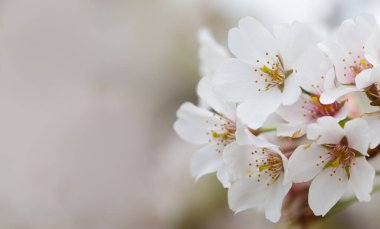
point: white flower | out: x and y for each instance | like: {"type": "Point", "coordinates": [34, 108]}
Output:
{"type": "Point", "coordinates": [349, 57]}
{"type": "Point", "coordinates": [261, 77]}
{"type": "Point", "coordinates": [314, 72]}
{"type": "Point", "coordinates": [215, 130]}
{"type": "Point", "coordinates": [258, 176]}
{"type": "Point", "coordinates": [335, 161]}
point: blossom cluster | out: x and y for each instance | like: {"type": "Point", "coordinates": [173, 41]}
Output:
{"type": "Point", "coordinates": [282, 109]}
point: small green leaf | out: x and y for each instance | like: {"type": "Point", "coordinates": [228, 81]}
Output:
{"type": "Point", "coordinates": [306, 92]}
{"type": "Point", "coordinates": [289, 72]}
{"type": "Point", "coordinates": [281, 87]}
{"type": "Point", "coordinates": [347, 169]}
{"type": "Point", "coordinates": [343, 122]}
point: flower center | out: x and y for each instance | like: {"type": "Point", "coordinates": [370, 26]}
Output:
{"type": "Point", "coordinates": [272, 73]}
{"type": "Point", "coordinates": [315, 109]}
{"type": "Point", "coordinates": [267, 163]}
{"type": "Point", "coordinates": [222, 132]}
{"type": "Point", "coordinates": [356, 66]}
{"type": "Point", "coordinates": [339, 155]}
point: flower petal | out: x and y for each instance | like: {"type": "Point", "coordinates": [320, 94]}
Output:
{"type": "Point", "coordinates": [223, 176]}
{"type": "Point", "coordinates": [329, 81]}
{"type": "Point", "coordinates": [356, 131]}
{"type": "Point", "coordinates": [237, 159]}
{"type": "Point", "coordinates": [305, 162]}
{"type": "Point", "coordinates": [273, 207]}
{"type": "Point", "coordinates": [206, 93]}
{"type": "Point", "coordinates": [296, 113]}
{"type": "Point", "coordinates": [235, 81]}
{"type": "Point", "coordinates": [343, 112]}
{"type": "Point", "coordinates": [374, 127]}
{"type": "Point", "coordinates": [251, 40]}
{"type": "Point", "coordinates": [368, 77]}
{"type": "Point", "coordinates": [325, 131]}
{"type": "Point", "coordinates": [292, 41]}
{"type": "Point", "coordinates": [193, 123]}
{"type": "Point", "coordinates": [246, 193]}
{"type": "Point", "coordinates": [326, 189]}
{"type": "Point", "coordinates": [291, 130]}
{"type": "Point", "coordinates": [361, 179]}
{"type": "Point", "coordinates": [292, 90]}
{"type": "Point", "coordinates": [372, 48]}
{"type": "Point", "coordinates": [206, 160]}
{"type": "Point", "coordinates": [332, 95]}
{"type": "Point", "coordinates": [340, 60]}
{"type": "Point", "coordinates": [255, 111]}
{"type": "Point", "coordinates": [245, 137]}
{"type": "Point", "coordinates": [211, 53]}
{"type": "Point", "coordinates": [312, 70]}
{"type": "Point", "coordinates": [353, 34]}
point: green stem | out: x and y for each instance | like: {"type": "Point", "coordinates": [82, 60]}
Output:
{"type": "Point", "coordinates": [264, 130]}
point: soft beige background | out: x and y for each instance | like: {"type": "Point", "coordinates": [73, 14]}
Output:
{"type": "Point", "coordinates": [88, 94]}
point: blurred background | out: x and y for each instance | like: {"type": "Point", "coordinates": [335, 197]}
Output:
{"type": "Point", "coordinates": [88, 94]}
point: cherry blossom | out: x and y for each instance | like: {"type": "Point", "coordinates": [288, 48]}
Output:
{"type": "Point", "coordinates": [258, 178]}
{"type": "Point", "coordinates": [261, 77]}
{"type": "Point", "coordinates": [349, 56]}
{"type": "Point", "coordinates": [335, 161]}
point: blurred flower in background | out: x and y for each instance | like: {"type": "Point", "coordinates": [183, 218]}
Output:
{"type": "Point", "coordinates": [88, 93]}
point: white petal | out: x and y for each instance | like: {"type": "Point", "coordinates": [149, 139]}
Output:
{"type": "Point", "coordinates": [368, 77]}
{"type": "Point", "coordinates": [329, 81]}
{"type": "Point", "coordinates": [372, 48]}
{"type": "Point", "coordinates": [357, 135]}
{"type": "Point", "coordinates": [305, 162]}
{"type": "Point", "coordinates": [353, 34]}
{"type": "Point", "coordinates": [343, 112]}
{"type": "Point", "coordinates": [374, 127]}
{"type": "Point", "coordinates": [255, 111]}
{"type": "Point", "coordinates": [206, 160]}
{"type": "Point", "coordinates": [293, 40]}
{"type": "Point", "coordinates": [211, 53]}
{"type": "Point", "coordinates": [245, 137]}
{"type": "Point", "coordinates": [193, 123]}
{"type": "Point", "coordinates": [325, 131]}
{"type": "Point", "coordinates": [337, 54]}
{"type": "Point", "coordinates": [312, 70]}
{"type": "Point", "coordinates": [325, 190]}
{"type": "Point", "coordinates": [285, 162]}
{"type": "Point", "coordinates": [273, 206]}
{"type": "Point", "coordinates": [295, 114]}
{"type": "Point", "coordinates": [362, 175]}
{"type": "Point", "coordinates": [332, 95]}
{"type": "Point", "coordinates": [237, 158]}
{"type": "Point", "coordinates": [206, 92]}
{"type": "Point", "coordinates": [246, 193]}
{"type": "Point", "coordinates": [235, 81]}
{"type": "Point", "coordinates": [223, 176]}
{"type": "Point", "coordinates": [291, 130]}
{"type": "Point", "coordinates": [251, 40]}
{"type": "Point", "coordinates": [292, 90]}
